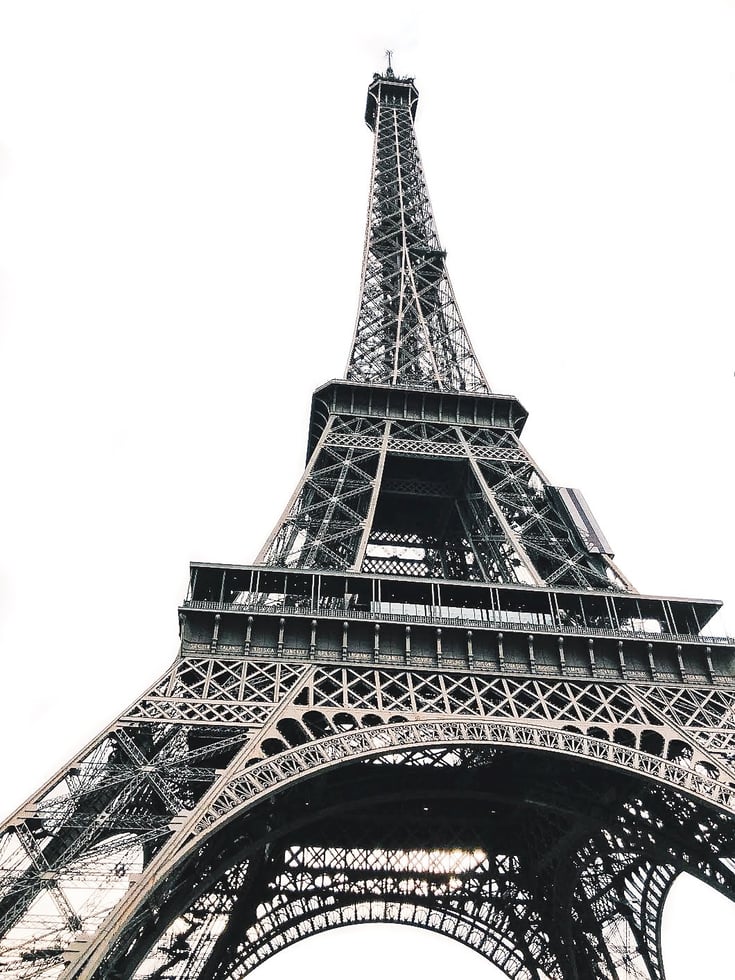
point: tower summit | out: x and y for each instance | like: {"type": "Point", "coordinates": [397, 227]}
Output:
{"type": "Point", "coordinates": [415, 468]}
{"type": "Point", "coordinates": [409, 329]}
{"type": "Point", "coordinates": [433, 699]}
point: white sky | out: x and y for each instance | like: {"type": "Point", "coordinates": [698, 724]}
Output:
{"type": "Point", "coordinates": [182, 200]}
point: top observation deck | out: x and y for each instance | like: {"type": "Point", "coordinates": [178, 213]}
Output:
{"type": "Point", "coordinates": [390, 90]}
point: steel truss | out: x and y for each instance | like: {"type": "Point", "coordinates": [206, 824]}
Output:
{"type": "Point", "coordinates": [486, 512]}
{"type": "Point", "coordinates": [435, 699]}
{"type": "Point", "coordinates": [409, 329]}
{"type": "Point", "coordinates": [182, 790]}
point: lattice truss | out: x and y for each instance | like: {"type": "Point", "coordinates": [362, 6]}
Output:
{"type": "Point", "coordinates": [445, 501]}
{"type": "Point", "coordinates": [323, 525]}
{"type": "Point", "coordinates": [409, 330]}
{"type": "Point", "coordinates": [631, 784]}
{"type": "Point", "coordinates": [540, 893]}
{"type": "Point", "coordinates": [245, 802]}
{"type": "Point", "coordinates": [70, 854]}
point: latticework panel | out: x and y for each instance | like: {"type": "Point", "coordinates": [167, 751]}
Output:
{"type": "Point", "coordinates": [194, 762]}
{"type": "Point", "coordinates": [431, 500]}
{"type": "Point", "coordinates": [69, 858]}
{"type": "Point", "coordinates": [567, 883]}
{"type": "Point", "coordinates": [706, 714]}
{"type": "Point", "coordinates": [327, 760]}
{"type": "Point", "coordinates": [551, 546]}
{"type": "Point", "coordinates": [409, 329]}
{"type": "Point", "coordinates": [70, 854]}
{"type": "Point", "coordinates": [323, 524]}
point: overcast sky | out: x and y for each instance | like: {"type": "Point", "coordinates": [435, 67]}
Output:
{"type": "Point", "coordinates": [182, 205]}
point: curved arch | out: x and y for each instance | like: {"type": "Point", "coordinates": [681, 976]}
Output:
{"type": "Point", "coordinates": [623, 736]}
{"type": "Point", "coordinates": [482, 937]}
{"type": "Point", "coordinates": [260, 779]}
{"type": "Point", "coordinates": [652, 742]}
{"type": "Point", "coordinates": [461, 890]}
{"type": "Point", "coordinates": [654, 890]}
{"type": "Point", "coordinates": [293, 732]}
{"type": "Point", "coordinates": [494, 933]}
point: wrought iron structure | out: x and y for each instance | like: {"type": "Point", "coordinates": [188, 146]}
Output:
{"type": "Point", "coordinates": [434, 698]}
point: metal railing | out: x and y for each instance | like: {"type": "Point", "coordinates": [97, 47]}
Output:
{"type": "Point", "coordinates": [499, 623]}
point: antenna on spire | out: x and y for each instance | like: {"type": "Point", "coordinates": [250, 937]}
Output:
{"type": "Point", "coordinates": [389, 56]}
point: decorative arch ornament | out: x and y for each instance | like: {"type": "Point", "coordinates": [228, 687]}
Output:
{"type": "Point", "coordinates": [244, 788]}
{"type": "Point", "coordinates": [254, 782]}
{"type": "Point", "coordinates": [434, 643]}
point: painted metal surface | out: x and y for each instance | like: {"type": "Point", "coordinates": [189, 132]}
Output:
{"type": "Point", "coordinates": [434, 699]}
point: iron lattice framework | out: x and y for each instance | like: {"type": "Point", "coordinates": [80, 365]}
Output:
{"type": "Point", "coordinates": [434, 699]}
{"type": "Point", "coordinates": [409, 330]}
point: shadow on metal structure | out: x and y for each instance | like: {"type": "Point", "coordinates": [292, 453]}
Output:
{"type": "Point", "coordinates": [435, 699]}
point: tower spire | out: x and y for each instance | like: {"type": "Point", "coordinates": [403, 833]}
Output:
{"type": "Point", "coordinates": [432, 700]}
{"type": "Point", "coordinates": [409, 330]}
{"type": "Point", "coordinates": [415, 468]}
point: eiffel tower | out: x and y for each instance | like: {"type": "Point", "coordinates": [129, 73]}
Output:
{"type": "Point", "coordinates": [434, 698]}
